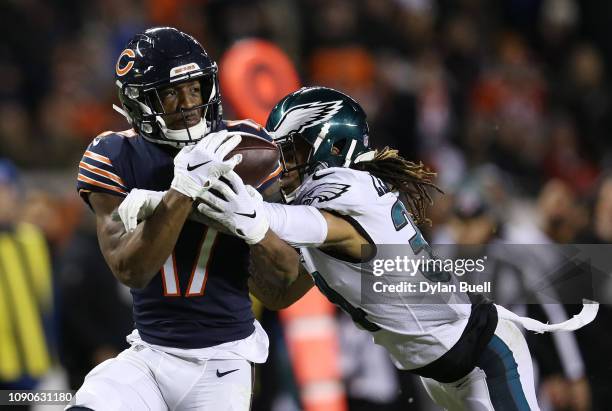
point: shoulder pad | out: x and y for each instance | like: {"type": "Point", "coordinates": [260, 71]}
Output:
{"type": "Point", "coordinates": [109, 143]}
{"type": "Point", "coordinates": [98, 168]}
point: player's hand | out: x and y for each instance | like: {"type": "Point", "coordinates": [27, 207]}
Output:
{"type": "Point", "coordinates": [238, 207]}
{"type": "Point", "coordinates": [137, 206]}
{"type": "Point", "coordinates": [197, 166]}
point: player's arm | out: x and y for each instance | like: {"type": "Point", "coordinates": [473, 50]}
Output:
{"type": "Point", "coordinates": [274, 298]}
{"type": "Point", "coordinates": [271, 230]}
{"type": "Point", "coordinates": [277, 278]}
{"type": "Point", "coordinates": [342, 236]}
{"type": "Point", "coordinates": [307, 226]}
{"type": "Point", "coordinates": [135, 257]}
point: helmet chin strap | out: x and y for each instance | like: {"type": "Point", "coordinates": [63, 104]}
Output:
{"type": "Point", "coordinates": [290, 197]}
{"type": "Point", "coordinates": [190, 135]}
{"type": "Point", "coordinates": [175, 138]}
{"type": "Point", "coordinates": [181, 138]}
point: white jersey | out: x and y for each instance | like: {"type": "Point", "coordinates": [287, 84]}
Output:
{"type": "Point", "coordinates": [414, 333]}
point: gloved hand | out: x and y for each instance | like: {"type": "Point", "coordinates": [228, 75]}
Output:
{"type": "Point", "coordinates": [196, 166]}
{"type": "Point", "coordinates": [138, 205]}
{"type": "Point", "coordinates": [237, 207]}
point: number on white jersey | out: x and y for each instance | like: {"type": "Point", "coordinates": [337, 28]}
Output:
{"type": "Point", "coordinates": [401, 219]}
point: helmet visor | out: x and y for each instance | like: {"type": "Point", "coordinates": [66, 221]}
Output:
{"type": "Point", "coordinates": [294, 155]}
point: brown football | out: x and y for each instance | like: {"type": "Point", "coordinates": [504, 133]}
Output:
{"type": "Point", "coordinates": [260, 158]}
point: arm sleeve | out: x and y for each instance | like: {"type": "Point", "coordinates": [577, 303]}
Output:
{"type": "Point", "coordinates": [299, 226]}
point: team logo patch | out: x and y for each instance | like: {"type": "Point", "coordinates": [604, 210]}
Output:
{"type": "Point", "coordinates": [304, 116]}
{"type": "Point", "coordinates": [322, 192]}
{"type": "Point", "coordinates": [185, 68]}
{"type": "Point", "coordinates": [123, 70]}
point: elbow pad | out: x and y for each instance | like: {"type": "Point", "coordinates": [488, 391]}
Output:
{"type": "Point", "coordinates": [299, 225]}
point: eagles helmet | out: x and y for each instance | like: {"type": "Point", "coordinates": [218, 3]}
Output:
{"type": "Point", "coordinates": [155, 59]}
{"type": "Point", "coordinates": [325, 119]}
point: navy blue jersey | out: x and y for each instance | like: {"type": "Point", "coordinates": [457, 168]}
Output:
{"type": "Point", "coordinates": [199, 298]}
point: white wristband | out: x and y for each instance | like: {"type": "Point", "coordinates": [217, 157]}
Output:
{"type": "Point", "coordinates": [298, 225]}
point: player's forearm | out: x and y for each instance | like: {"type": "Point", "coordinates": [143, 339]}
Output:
{"type": "Point", "coordinates": [275, 259]}
{"type": "Point", "coordinates": [276, 298]}
{"type": "Point", "coordinates": [274, 266]}
{"type": "Point", "coordinates": [277, 277]}
{"type": "Point", "coordinates": [140, 254]}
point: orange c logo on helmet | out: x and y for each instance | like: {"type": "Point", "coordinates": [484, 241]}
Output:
{"type": "Point", "coordinates": [121, 71]}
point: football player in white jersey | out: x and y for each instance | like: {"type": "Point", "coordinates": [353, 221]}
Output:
{"type": "Point", "coordinates": [347, 203]}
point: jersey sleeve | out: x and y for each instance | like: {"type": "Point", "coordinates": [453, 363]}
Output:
{"type": "Point", "coordinates": [341, 190]}
{"type": "Point", "coordinates": [98, 171]}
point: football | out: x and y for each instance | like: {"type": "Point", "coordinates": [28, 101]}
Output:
{"type": "Point", "coordinates": [260, 158]}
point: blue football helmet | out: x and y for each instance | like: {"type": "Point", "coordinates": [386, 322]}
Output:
{"type": "Point", "coordinates": [157, 58]}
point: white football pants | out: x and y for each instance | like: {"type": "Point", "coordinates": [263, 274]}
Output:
{"type": "Point", "coordinates": [501, 381]}
{"type": "Point", "coordinates": [142, 378]}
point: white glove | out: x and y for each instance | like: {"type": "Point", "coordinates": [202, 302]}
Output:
{"type": "Point", "coordinates": [196, 166]}
{"type": "Point", "coordinates": [138, 205]}
{"type": "Point", "coordinates": [240, 211]}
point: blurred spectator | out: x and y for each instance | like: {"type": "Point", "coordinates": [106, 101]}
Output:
{"type": "Point", "coordinates": [565, 161]}
{"type": "Point", "coordinates": [594, 339]}
{"type": "Point", "coordinates": [508, 104]}
{"type": "Point", "coordinates": [26, 292]}
{"type": "Point", "coordinates": [45, 211]}
{"type": "Point", "coordinates": [518, 274]}
{"type": "Point", "coordinates": [373, 383]}
{"type": "Point", "coordinates": [557, 30]}
{"type": "Point", "coordinates": [561, 217]}
{"type": "Point", "coordinates": [95, 311]}
{"type": "Point", "coordinates": [587, 97]}
{"type": "Point", "coordinates": [602, 215]}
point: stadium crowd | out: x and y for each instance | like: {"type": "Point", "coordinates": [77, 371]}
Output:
{"type": "Point", "coordinates": [510, 100]}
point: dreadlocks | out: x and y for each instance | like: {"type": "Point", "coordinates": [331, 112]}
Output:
{"type": "Point", "coordinates": [410, 179]}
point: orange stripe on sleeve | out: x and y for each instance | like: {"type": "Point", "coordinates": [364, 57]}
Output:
{"type": "Point", "coordinates": [88, 180]}
{"type": "Point", "coordinates": [101, 172]}
{"type": "Point", "coordinates": [97, 157]}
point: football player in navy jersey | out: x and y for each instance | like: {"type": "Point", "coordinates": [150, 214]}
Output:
{"type": "Point", "coordinates": [195, 336]}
